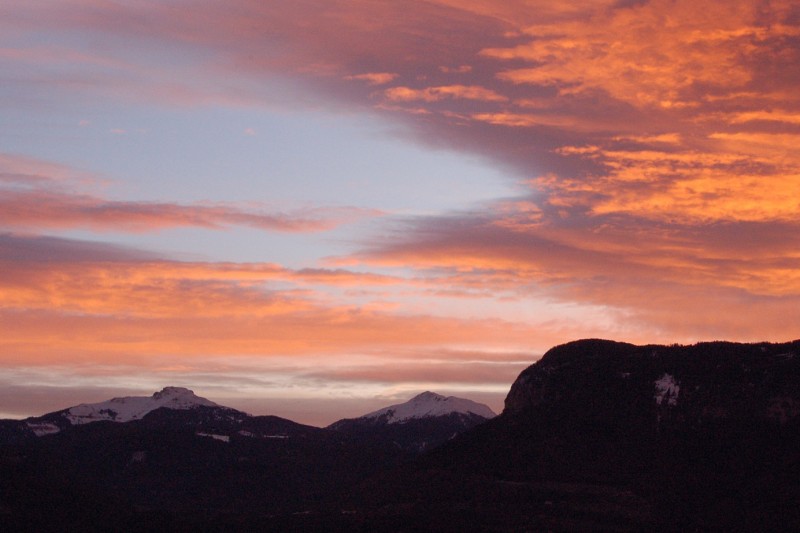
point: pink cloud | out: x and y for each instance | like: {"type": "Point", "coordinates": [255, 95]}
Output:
{"type": "Point", "coordinates": [18, 170]}
{"type": "Point", "coordinates": [53, 210]}
{"type": "Point", "coordinates": [37, 195]}
{"type": "Point", "coordinates": [374, 78]}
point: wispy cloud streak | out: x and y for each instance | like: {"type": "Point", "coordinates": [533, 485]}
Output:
{"type": "Point", "coordinates": [37, 195]}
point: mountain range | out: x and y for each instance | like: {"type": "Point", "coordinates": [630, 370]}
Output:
{"type": "Point", "coordinates": [428, 419]}
{"type": "Point", "coordinates": [596, 435]}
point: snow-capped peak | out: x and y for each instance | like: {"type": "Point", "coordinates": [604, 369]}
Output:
{"type": "Point", "coordinates": [135, 407]}
{"type": "Point", "coordinates": [429, 404]}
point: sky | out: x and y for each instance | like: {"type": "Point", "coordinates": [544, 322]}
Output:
{"type": "Point", "coordinates": [317, 208]}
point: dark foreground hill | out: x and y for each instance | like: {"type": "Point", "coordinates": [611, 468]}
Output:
{"type": "Point", "coordinates": [611, 436]}
{"type": "Point", "coordinates": [597, 435]}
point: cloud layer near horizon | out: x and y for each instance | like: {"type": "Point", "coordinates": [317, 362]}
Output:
{"type": "Point", "coordinates": [654, 146]}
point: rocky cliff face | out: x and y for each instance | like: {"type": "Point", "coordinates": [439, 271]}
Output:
{"type": "Point", "coordinates": [692, 384]}
{"type": "Point", "coordinates": [653, 438]}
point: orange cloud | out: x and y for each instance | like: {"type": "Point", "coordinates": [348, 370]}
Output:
{"type": "Point", "coordinates": [517, 120]}
{"type": "Point", "coordinates": [49, 337]}
{"type": "Point", "coordinates": [434, 94]}
{"type": "Point", "coordinates": [780, 116]}
{"type": "Point", "coordinates": [649, 54]}
{"type": "Point", "coordinates": [373, 78]}
{"type": "Point", "coordinates": [120, 309]}
{"type": "Point", "coordinates": [747, 177]}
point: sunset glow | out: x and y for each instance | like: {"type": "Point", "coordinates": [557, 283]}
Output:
{"type": "Point", "coordinates": [313, 209]}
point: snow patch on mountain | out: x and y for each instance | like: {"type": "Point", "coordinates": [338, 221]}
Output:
{"type": "Point", "coordinates": [667, 390]}
{"type": "Point", "coordinates": [430, 404]}
{"type": "Point", "coordinates": [43, 428]}
{"type": "Point", "coordinates": [130, 408]}
{"type": "Point", "coordinates": [223, 438]}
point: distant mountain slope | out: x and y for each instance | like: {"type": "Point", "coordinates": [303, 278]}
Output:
{"type": "Point", "coordinates": [123, 409]}
{"type": "Point", "coordinates": [135, 407]}
{"type": "Point", "coordinates": [429, 404]}
{"type": "Point", "coordinates": [420, 424]}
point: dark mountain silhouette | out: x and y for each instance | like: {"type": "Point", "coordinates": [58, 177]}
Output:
{"type": "Point", "coordinates": [612, 436]}
{"type": "Point", "coordinates": [597, 435]}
